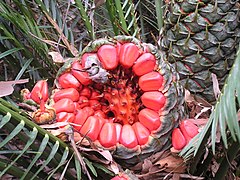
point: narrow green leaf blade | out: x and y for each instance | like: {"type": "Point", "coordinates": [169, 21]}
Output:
{"type": "Point", "coordinates": [5, 119]}
{"type": "Point", "coordinates": [50, 157]}
{"type": "Point", "coordinates": [32, 137]}
{"type": "Point", "coordinates": [18, 128]}
{"type": "Point", "coordinates": [38, 155]}
{"type": "Point", "coordinates": [8, 52]}
{"type": "Point", "coordinates": [78, 167]}
{"type": "Point", "coordinates": [89, 164]}
{"type": "Point", "coordinates": [61, 163]}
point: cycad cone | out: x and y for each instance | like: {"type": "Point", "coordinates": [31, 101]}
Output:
{"type": "Point", "coordinates": [201, 38]}
{"type": "Point", "coordinates": [126, 98]}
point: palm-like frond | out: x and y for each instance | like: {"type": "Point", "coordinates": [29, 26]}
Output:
{"type": "Point", "coordinates": [29, 152]}
{"type": "Point", "coordinates": [223, 119]}
{"type": "Point", "coordinates": [34, 142]}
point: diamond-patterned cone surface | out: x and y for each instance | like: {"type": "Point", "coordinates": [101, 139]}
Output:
{"type": "Point", "coordinates": [201, 38]}
{"type": "Point", "coordinates": [126, 98]}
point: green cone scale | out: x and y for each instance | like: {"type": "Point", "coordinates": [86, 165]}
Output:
{"type": "Point", "coordinates": [201, 38]}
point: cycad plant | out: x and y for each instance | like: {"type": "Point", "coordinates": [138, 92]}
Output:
{"type": "Point", "coordinates": [37, 37]}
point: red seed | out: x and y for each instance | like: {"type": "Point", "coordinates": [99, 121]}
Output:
{"type": "Point", "coordinates": [81, 117]}
{"type": "Point", "coordinates": [64, 105]}
{"type": "Point", "coordinates": [118, 47]}
{"type": "Point", "coordinates": [40, 91]}
{"type": "Point", "coordinates": [118, 130]}
{"type": "Point", "coordinates": [120, 177]}
{"type": "Point", "coordinates": [83, 101]}
{"type": "Point", "coordinates": [189, 129]}
{"type": "Point", "coordinates": [149, 118]}
{"type": "Point", "coordinates": [67, 80]}
{"type": "Point", "coordinates": [129, 53]}
{"type": "Point", "coordinates": [108, 135]}
{"type": "Point", "coordinates": [95, 104]}
{"type": "Point", "coordinates": [89, 110]}
{"type": "Point", "coordinates": [82, 77]}
{"type": "Point", "coordinates": [99, 113]}
{"type": "Point", "coordinates": [178, 140]}
{"type": "Point", "coordinates": [85, 56]}
{"type": "Point", "coordinates": [95, 95]}
{"type": "Point", "coordinates": [128, 137]}
{"type": "Point", "coordinates": [153, 100]}
{"type": "Point", "coordinates": [65, 117]}
{"type": "Point", "coordinates": [91, 127]}
{"type": "Point", "coordinates": [141, 132]}
{"type": "Point", "coordinates": [87, 92]}
{"type": "Point", "coordinates": [108, 56]}
{"type": "Point", "coordinates": [144, 64]}
{"type": "Point", "coordinates": [151, 81]}
{"type": "Point", "coordinates": [70, 93]}
{"type": "Point", "coordinates": [77, 106]}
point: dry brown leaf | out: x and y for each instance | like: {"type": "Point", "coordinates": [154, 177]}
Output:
{"type": "Point", "coordinates": [202, 111]}
{"type": "Point", "coordinates": [99, 155]}
{"type": "Point", "coordinates": [198, 107]}
{"type": "Point", "coordinates": [57, 57]}
{"type": "Point", "coordinates": [113, 167]}
{"type": "Point", "coordinates": [188, 96]}
{"type": "Point", "coordinates": [81, 140]}
{"type": "Point", "coordinates": [172, 164]}
{"type": "Point", "coordinates": [98, 3]}
{"type": "Point", "coordinates": [216, 89]}
{"type": "Point", "coordinates": [54, 125]}
{"type": "Point", "coordinates": [6, 87]}
{"type": "Point", "coordinates": [153, 158]}
{"type": "Point", "coordinates": [176, 176]}
{"type": "Point", "coordinates": [214, 167]}
{"type": "Point", "coordinates": [49, 42]}
{"type": "Point", "coordinates": [147, 164]}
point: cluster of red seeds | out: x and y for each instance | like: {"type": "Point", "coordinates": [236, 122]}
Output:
{"type": "Point", "coordinates": [182, 135]}
{"type": "Point", "coordinates": [123, 109]}
{"type": "Point", "coordinates": [113, 95]}
{"type": "Point", "coordinates": [120, 95]}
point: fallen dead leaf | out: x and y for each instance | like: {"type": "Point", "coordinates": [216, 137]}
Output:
{"type": "Point", "coordinates": [216, 89]}
{"type": "Point", "coordinates": [56, 57]}
{"type": "Point", "coordinates": [113, 167]}
{"type": "Point", "coordinates": [99, 155]}
{"type": "Point", "coordinates": [81, 140]}
{"type": "Point", "coordinates": [176, 176]}
{"type": "Point", "coordinates": [98, 3]}
{"type": "Point", "coordinates": [188, 96]}
{"type": "Point", "coordinates": [147, 164]}
{"type": "Point", "coordinates": [54, 125]}
{"type": "Point", "coordinates": [214, 167]}
{"type": "Point", "coordinates": [6, 87]}
{"type": "Point", "coordinates": [197, 107]}
{"type": "Point", "coordinates": [153, 158]}
{"type": "Point", "coordinates": [172, 164]}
